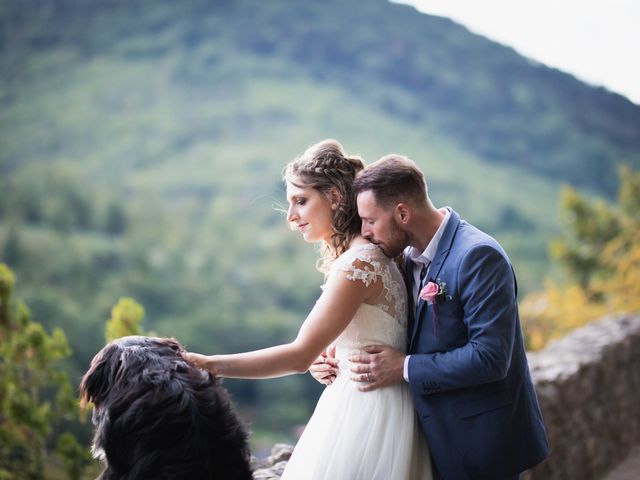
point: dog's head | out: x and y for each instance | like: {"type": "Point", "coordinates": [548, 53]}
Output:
{"type": "Point", "coordinates": [158, 416]}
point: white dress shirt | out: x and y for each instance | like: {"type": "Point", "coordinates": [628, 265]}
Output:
{"type": "Point", "coordinates": [419, 260]}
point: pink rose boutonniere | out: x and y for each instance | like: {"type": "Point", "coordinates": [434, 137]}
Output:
{"type": "Point", "coordinates": [434, 293]}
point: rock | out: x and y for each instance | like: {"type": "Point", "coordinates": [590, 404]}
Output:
{"type": "Point", "coordinates": [272, 467]}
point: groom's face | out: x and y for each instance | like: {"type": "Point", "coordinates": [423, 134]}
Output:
{"type": "Point", "coordinates": [380, 226]}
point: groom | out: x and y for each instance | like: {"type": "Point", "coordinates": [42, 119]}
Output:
{"type": "Point", "coordinates": [466, 363]}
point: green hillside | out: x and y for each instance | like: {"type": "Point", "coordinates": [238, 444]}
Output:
{"type": "Point", "coordinates": [141, 145]}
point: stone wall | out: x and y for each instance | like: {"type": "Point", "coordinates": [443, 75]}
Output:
{"type": "Point", "coordinates": [271, 468]}
{"type": "Point", "coordinates": [588, 385]}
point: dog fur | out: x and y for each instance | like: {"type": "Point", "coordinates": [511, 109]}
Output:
{"type": "Point", "coordinates": [159, 417]}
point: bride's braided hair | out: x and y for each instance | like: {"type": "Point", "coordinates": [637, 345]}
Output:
{"type": "Point", "coordinates": [323, 166]}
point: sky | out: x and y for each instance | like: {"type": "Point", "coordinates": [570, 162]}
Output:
{"type": "Point", "coordinates": [598, 41]}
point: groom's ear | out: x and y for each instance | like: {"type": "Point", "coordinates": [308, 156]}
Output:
{"type": "Point", "coordinates": [402, 213]}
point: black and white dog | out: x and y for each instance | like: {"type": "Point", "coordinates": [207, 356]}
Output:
{"type": "Point", "coordinates": [159, 417]}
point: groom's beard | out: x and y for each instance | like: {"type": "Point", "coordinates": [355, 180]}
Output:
{"type": "Point", "coordinates": [398, 240]}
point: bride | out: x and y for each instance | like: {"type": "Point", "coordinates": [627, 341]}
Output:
{"type": "Point", "coordinates": [352, 435]}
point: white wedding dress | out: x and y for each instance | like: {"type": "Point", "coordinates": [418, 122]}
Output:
{"type": "Point", "coordinates": [356, 435]}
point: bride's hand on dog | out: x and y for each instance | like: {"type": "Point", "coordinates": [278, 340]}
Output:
{"type": "Point", "coordinates": [199, 360]}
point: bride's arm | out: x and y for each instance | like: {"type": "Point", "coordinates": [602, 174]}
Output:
{"type": "Point", "coordinates": [329, 317]}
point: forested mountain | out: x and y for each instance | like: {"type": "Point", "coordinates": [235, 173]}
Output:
{"type": "Point", "coordinates": [141, 144]}
{"type": "Point", "coordinates": [495, 103]}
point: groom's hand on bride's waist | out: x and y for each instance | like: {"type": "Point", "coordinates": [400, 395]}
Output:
{"type": "Point", "coordinates": [379, 366]}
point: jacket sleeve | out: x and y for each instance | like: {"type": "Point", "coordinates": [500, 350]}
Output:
{"type": "Point", "coordinates": [487, 291]}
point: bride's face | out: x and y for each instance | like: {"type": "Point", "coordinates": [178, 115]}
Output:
{"type": "Point", "coordinates": [310, 213]}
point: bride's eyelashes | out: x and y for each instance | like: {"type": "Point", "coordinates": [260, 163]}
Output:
{"type": "Point", "coordinates": [298, 201]}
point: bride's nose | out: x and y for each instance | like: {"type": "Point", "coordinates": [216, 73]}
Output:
{"type": "Point", "coordinates": [291, 214]}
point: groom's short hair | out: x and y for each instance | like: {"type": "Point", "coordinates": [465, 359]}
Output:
{"type": "Point", "coordinates": [393, 179]}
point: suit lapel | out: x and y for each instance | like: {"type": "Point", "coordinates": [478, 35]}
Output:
{"type": "Point", "coordinates": [408, 281]}
{"type": "Point", "coordinates": [436, 265]}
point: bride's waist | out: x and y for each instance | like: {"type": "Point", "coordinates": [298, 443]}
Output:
{"type": "Point", "coordinates": [343, 354]}
{"type": "Point", "coordinates": [346, 350]}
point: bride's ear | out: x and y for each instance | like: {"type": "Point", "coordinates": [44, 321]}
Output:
{"type": "Point", "coordinates": [334, 198]}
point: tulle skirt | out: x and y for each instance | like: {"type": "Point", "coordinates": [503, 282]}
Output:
{"type": "Point", "coordinates": [356, 435]}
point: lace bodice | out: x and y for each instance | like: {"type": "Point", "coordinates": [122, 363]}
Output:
{"type": "Point", "coordinates": [384, 320]}
{"type": "Point", "coordinates": [364, 435]}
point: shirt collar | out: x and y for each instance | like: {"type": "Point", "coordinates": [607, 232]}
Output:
{"type": "Point", "coordinates": [429, 253]}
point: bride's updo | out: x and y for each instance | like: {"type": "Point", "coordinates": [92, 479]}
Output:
{"type": "Point", "coordinates": [323, 166]}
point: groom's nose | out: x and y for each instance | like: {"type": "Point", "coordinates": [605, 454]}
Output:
{"type": "Point", "coordinates": [366, 232]}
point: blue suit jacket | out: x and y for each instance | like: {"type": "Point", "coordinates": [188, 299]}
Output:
{"type": "Point", "coordinates": [468, 370]}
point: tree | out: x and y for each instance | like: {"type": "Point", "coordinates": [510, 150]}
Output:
{"type": "Point", "coordinates": [115, 219]}
{"type": "Point", "coordinates": [126, 319]}
{"type": "Point", "coordinates": [601, 255]}
{"type": "Point", "coordinates": [34, 395]}
{"type": "Point", "coordinates": [12, 251]}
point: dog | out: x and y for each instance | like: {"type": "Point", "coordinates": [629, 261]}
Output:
{"type": "Point", "coordinates": [159, 417]}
